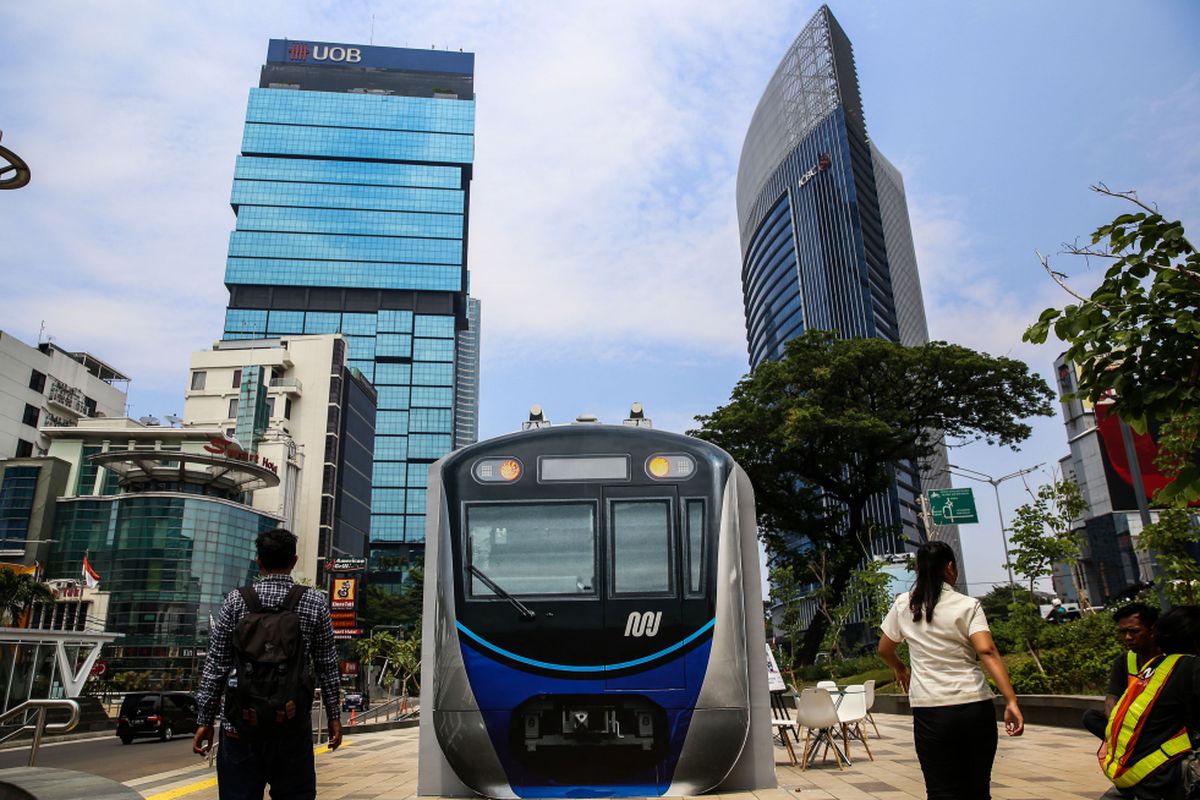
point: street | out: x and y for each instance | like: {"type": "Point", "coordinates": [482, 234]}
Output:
{"type": "Point", "coordinates": [108, 757]}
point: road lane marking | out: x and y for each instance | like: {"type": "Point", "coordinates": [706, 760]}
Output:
{"type": "Point", "coordinates": [208, 783]}
{"type": "Point", "coordinates": [180, 791]}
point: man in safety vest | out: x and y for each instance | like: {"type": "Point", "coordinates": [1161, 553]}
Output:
{"type": "Point", "coordinates": [1150, 727]}
{"type": "Point", "coordinates": [1135, 626]}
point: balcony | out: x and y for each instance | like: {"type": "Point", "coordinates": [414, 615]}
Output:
{"type": "Point", "coordinates": [287, 385]}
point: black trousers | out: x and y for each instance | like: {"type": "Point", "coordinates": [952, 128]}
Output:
{"type": "Point", "coordinates": [956, 746]}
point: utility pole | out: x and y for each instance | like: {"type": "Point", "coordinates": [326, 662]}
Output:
{"type": "Point", "coordinates": [983, 477]}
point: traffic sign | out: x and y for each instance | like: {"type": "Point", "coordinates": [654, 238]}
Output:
{"type": "Point", "coordinates": [952, 506]}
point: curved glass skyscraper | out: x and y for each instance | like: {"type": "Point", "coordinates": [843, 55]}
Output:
{"type": "Point", "coordinates": [826, 240]}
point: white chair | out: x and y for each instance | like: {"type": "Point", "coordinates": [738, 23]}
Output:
{"type": "Point", "coordinates": [852, 713]}
{"type": "Point", "coordinates": [869, 687]}
{"type": "Point", "coordinates": [782, 723]}
{"type": "Point", "coordinates": [828, 686]}
{"type": "Point", "coordinates": [816, 714]}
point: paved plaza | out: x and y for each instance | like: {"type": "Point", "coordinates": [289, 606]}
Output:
{"type": "Point", "coordinates": [1044, 764]}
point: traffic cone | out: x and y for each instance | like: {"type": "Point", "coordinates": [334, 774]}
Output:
{"type": "Point", "coordinates": [353, 721]}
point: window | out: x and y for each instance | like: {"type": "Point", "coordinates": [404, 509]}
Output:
{"type": "Point", "coordinates": [37, 381]}
{"type": "Point", "coordinates": [694, 519]}
{"type": "Point", "coordinates": [641, 540]}
{"type": "Point", "coordinates": [237, 379]}
{"type": "Point", "coordinates": [233, 408]}
{"type": "Point", "coordinates": [30, 417]}
{"type": "Point", "coordinates": [287, 408]}
{"type": "Point", "coordinates": [270, 406]}
{"type": "Point", "coordinates": [24, 449]}
{"type": "Point", "coordinates": [532, 549]}
{"type": "Point", "coordinates": [198, 379]}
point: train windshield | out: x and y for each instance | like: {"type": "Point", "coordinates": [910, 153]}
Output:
{"type": "Point", "coordinates": [533, 548]}
{"type": "Point", "coordinates": [641, 546]}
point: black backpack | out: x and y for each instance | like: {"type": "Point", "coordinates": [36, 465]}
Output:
{"type": "Point", "coordinates": [271, 690]}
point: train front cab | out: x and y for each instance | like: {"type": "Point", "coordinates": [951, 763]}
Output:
{"type": "Point", "coordinates": [597, 692]}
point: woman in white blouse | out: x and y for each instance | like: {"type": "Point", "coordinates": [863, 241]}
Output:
{"type": "Point", "coordinates": [954, 723]}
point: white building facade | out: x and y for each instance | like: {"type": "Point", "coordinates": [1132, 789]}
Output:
{"type": "Point", "coordinates": [49, 386]}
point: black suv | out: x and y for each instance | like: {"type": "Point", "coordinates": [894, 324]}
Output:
{"type": "Point", "coordinates": [161, 714]}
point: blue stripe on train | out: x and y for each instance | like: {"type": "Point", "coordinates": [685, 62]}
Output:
{"type": "Point", "coordinates": [500, 687]}
{"type": "Point", "coordinates": [637, 662]}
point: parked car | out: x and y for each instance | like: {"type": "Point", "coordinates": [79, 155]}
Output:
{"type": "Point", "coordinates": [161, 714]}
{"type": "Point", "coordinates": [354, 701]}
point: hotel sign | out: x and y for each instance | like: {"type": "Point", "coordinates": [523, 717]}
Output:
{"type": "Point", "coordinates": [220, 446]}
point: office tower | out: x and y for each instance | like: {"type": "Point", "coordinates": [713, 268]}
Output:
{"type": "Point", "coordinates": [352, 196]}
{"type": "Point", "coordinates": [826, 241]}
{"type": "Point", "coordinates": [1103, 462]}
{"type": "Point", "coordinates": [281, 398]}
{"type": "Point", "coordinates": [466, 380]}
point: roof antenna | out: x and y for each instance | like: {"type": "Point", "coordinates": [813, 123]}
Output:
{"type": "Point", "coordinates": [372, 29]}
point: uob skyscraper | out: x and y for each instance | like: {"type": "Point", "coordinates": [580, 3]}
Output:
{"type": "Point", "coordinates": [352, 195]}
{"type": "Point", "coordinates": [826, 239]}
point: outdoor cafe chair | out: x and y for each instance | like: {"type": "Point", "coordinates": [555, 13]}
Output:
{"type": "Point", "coordinates": [869, 687]}
{"type": "Point", "coordinates": [782, 723]}
{"type": "Point", "coordinates": [852, 713]}
{"type": "Point", "coordinates": [816, 714]}
{"type": "Point", "coordinates": [828, 686]}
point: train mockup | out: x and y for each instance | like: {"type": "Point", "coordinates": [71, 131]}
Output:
{"type": "Point", "coordinates": [593, 620]}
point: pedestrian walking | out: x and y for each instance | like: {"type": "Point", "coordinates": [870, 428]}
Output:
{"type": "Point", "coordinates": [954, 722]}
{"type": "Point", "coordinates": [1135, 626]}
{"type": "Point", "coordinates": [257, 672]}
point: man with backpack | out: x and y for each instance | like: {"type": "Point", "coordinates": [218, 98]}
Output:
{"type": "Point", "coordinates": [258, 656]}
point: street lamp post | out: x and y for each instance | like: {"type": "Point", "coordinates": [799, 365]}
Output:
{"type": "Point", "coordinates": [983, 477]}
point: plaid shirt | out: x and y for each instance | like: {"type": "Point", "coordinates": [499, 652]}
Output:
{"type": "Point", "coordinates": [315, 629]}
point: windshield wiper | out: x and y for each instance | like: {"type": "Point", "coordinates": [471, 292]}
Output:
{"type": "Point", "coordinates": [525, 610]}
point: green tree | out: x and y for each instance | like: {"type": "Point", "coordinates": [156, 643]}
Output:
{"type": "Point", "coordinates": [384, 607]}
{"type": "Point", "coordinates": [996, 602]}
{"type": "Point", "coordinates": [867, 591]}
{"type": "Point", "coordinates": [1042, 536]}
{"type": "Point", "coordinates": [821, 431]}
{"type": "Point", "coordinates": [19, 591]}
{"type": "Point", "coordinates": [1136, 338]}
{"type": "Point", "coordinates": [376, 647]}
{"type": "Point", "coordinates": [1173, 539]}
{"type": "Point", "coordinates": [786, 591]}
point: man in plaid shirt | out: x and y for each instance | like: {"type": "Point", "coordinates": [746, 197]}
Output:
{"type": "Point", "coordinates": [245, 768]}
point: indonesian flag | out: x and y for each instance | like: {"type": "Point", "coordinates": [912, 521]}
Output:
{"type": "Point", "coordinates": [91, 578]}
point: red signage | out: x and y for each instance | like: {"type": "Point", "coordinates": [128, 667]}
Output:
{"type": "Point", "coordinates": [349, 669]}
{"type": "Point", "coordinates": [100, 669]}
{"type": "Point", "coordinates": [219, 445]}
{"type": "Point", "coordinates": [347, 633]}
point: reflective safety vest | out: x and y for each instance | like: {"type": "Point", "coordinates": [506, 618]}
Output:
{"type": "Point", "coordinates": [1125, 726]}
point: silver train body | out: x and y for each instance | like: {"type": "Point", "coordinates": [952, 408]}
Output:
{"type": "Point", "coordinates": [544, 676]}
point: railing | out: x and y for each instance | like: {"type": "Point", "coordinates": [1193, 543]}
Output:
{"type": "Point", "coordinates": [39, 725]}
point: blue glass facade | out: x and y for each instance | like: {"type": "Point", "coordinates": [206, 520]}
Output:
{"type": "Point", "coordinates": [168, 560]}
{"type": "Point", "coordinates": [352, 196]}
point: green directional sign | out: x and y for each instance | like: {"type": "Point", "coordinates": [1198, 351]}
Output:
{"type": "Point", "coordinates": [952, 506]}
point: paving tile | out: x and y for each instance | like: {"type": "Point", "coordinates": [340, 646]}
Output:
{"type": "Point", "coordinates": [1044, 764]}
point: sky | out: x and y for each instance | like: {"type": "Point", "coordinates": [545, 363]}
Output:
{"type": "Point", "coordinates": [603, 229]}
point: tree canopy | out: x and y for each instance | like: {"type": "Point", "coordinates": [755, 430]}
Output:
{"type": "Point", "coordinates": [821, 431]}
{"type": "Point", "coordinates": [1136, 338]}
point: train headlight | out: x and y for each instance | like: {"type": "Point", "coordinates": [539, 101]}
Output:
{"type": "Point", "coordinates": [497, 470]}
{"type": "Point", "coordinates": [670, 466]}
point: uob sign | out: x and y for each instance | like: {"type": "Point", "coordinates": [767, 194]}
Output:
{"type": "Point", "coordinates": [301, 51]}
